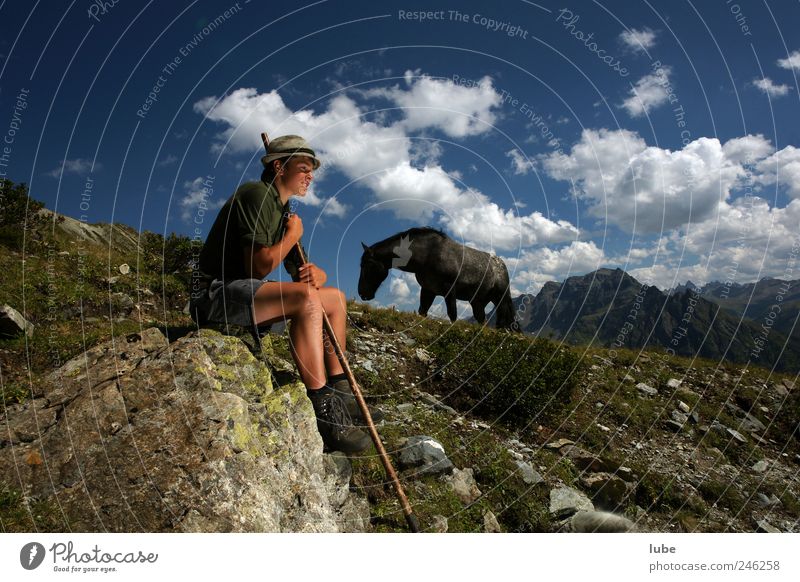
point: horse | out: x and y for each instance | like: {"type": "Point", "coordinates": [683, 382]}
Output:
{"type": "Point", "coordinates": [442, 267]}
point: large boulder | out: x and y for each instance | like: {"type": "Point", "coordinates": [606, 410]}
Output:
{"type": "Point", "coordinates": [140, 435]}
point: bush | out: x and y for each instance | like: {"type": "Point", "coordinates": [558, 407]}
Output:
{"type": "Point", "coordinates": [18, 213]}
{"type": "Point", "coordinates": [506, 376]}
{"type": "Point", "coordinates": [173, 254]}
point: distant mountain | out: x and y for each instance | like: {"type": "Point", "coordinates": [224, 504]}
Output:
{"type": "Point", "coordinates": [610, 308]}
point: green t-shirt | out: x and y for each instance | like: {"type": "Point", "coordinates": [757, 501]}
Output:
{"type": "Point", "coordinates": [254, 215]}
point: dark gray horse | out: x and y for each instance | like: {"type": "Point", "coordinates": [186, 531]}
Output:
{"type": "Point", "coordinates": [442, 267]}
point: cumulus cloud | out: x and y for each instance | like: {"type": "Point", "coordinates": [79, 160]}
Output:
{"type": "Point", "coordinates": [782, 168]}
{"type": "Point", "coordinates": [649, 92]}
{"type": "Point", "coordinates": [767, 86]}
{"type": "Point", "coordinates": [638, 40]}
{"type": "Point", "coordinates": [76, 166]}
{"type": "Point", "coordinates": [405, 179]}
{"type": "Point", "coordinates": [647, 189]}
{"type": "Point", "coordinates": [532, 269]}
{"type": "Point", "coordinates": [197, 197]}
{"type": "Point", "coordinates": [791, 62]}
{"type": "Point", "coordinates": [457, 110]}
{"type": "Point", "coordinates": [522, 164]}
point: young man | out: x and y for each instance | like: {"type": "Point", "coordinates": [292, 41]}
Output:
{"type": "Point", "coordinates": [253, 233]}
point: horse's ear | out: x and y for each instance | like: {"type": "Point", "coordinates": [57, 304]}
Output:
{"type": "Point", "coordinates": [366, 249]}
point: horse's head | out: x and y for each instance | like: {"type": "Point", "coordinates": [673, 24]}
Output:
{"type": "Point", "coordinates": [373, 273]}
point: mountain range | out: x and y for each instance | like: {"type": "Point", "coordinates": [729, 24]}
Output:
{"type": "Point", "coordinates": [741, 323]}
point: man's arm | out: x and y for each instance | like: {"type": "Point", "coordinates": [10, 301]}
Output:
{"type": "Point", "coordinates": [260, 261]}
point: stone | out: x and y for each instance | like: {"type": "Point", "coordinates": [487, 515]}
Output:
{"type": "Point", "coordinates": [764, 526]}
{"type": "Point", "coordinates": [751, 424]}
{"type": "Point", "coordinates": [217, 446]}
{"type": "Point", "coordinates": [490, 523]}
{"type": "Point", "coordinates": [529, 475]}
{"type": "Point", "coordinates": [438, 524]}
{"type": "Point", "coordinates": [425, 455]}
{"type": "Point", "coordinates": [12, 323]}
{"type": "Point", "coordinates": [646, 389]}
{"type": "Point", "coordinates": [583, 459]}
{"type": "Point", "coordinates": [679, 417]}
{"type": "Point", "coordinates": [607, 490]}
{"type": "Point", "coordinates": [760, 467]}
{"type": "Point", "coordinates": [781, 390]}
{"type": "Point", "coordinates": [423, 356]}
{"type": "Point", "coordinates": [405, 407]}
{"type": "Point", "coordinates": [674, 383]}
{"type": "Point", "coordinates": [683, 406]}
{"type": "Point", "coordinates": [463, 485]}
{"type": "Point", "coordinates": [565, 501]}
{"type": "Point", "coordinates": [600, 522]}
{"type": "Point", "coordinates": [736, 435]}
{"type": "Point", "coordinates": [558, 444]}
{"type": "Point", "coordinates": [673, 425]}
{"type": "Point", "coordinates": [628, 378]}
{"type": "Point", "coordinates": [124, 269]}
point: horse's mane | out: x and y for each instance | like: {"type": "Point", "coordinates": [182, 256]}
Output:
{"type": "Point", "coordinates": [413, 231]}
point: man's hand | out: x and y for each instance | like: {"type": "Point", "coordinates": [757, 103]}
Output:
{"type": "Point", "coordinates": [294, 228]}
{"type": "Point", "coordinates": [313, 275]}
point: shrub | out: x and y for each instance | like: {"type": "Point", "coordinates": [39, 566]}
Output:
{"type": "Point", "coordinates": [507, 376]}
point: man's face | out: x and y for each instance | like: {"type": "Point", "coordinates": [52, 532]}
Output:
{"type": "Point", "coordinates": [297, 175]}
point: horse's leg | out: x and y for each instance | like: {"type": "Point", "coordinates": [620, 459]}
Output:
{"type": "Point", "coordinates": [426, 298]}
{"type": "Point", "coordinates": [478, 311]}
{"type": "Point", "coordinates": [450, 302]}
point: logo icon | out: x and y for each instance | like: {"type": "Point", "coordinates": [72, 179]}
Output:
{"type": "Point", "coordinates": [31, 555]}
{"type": "Point", "coordinates": [403, 252]}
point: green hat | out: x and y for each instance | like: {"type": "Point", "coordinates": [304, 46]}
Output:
{"type": "Point", "coordinates": [286, 146]}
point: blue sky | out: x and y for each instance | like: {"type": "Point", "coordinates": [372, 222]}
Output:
{"type": "Point", "coordinates": [564, 137]}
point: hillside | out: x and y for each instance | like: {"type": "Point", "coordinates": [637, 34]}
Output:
{"type": "Point", "coordinates": [535, 435]}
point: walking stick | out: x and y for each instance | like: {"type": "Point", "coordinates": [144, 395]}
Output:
{"type": "Point", "coordinates": [411, 519]}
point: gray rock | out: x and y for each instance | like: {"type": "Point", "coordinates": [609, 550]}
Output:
{"type": "Point", "coordinates": [405, 407]}
{"type": "Point", "coordinates": [646, 389]}
{"type": "Point", "coordinates": [736, 435]}
{"type": "Point", "coordinates": [565, 501]}
{"type": "Point", "coordinates": [765, 501]}
{"type": "Point", "coordinates": [683, 406]}
{"type": "Point", "coordinates": [679, 417]}
{"type": "Point", "coordinates": [584, 460]}
{"type": "Point", "coordinates": [674, 383]}
{"type": "Point", "coordinates": [529, 475]}
{"type": "Point", "coordinates": [600, 522]}
{"type": "Point", "coordinates": [423, 356]}
{"type": "Point", "coordinates": [673, 425]}
{"type": "Point", "coordinates": [12, 323]}
{"type": "Point", "coordinates": [764, 526]}
{"type": "Point", "coordinates": [463, 485]}
{"type": "Point", "coordinates": [607, 490]}
{"type": "Point", "coordinates": [490, 523]}
{"type": "Point", "coordinates": [628, 378]}
{"type": "Point", "coordinates": [780, 390]}
{"type": "Point", "coordinates": [425, 455]}
{"type": "Point", "coordinates": [438, 524]}
{"type": "Point", "coordinates": [558, 444]}
{"type": "Point", "coordinates": [760, 467]}
{"type": "Point", "coordinates": [369, 366]}
{"type": "Point", "coordinates": [751, 424]}
{"type": "Point", "coordinates": [217, 446]}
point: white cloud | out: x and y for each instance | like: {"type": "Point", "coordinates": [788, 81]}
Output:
{"type": "Point", "coordinates": [767, 86]}
{"type": "Point", "coordinates": [167, 161]}
{"type": "Point", "coordinates": [643, 188]}
{"type": "Point", "coordinates": [382, 157]}
{"type": "Point", "coordinates": [638, 40]}
{"type": "Point", "coordinates": [457, 110]}
{"type": "Point", "coordinates": [649, 92]}
{"type": "Point", "coordinates": [399, 289]}
{"type": "Point", "coordinates": [198, 191]}
{"type": "Point", "coordinates": [533, 268]}
{"type": "Point", "coordinates": [791, 62]}
{"type": "Point", "coordinates": [330, 206]}
{"type": "Point", "coordinates": [783, 168]}
{"type": "Point", "coordinates": [747, 149]}
{"type": "Point", "coordinates": [76, 166]}
{"type": "Point", "coordinates": [522, 163]}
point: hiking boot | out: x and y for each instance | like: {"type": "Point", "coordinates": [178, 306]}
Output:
{"type": "Point", "coordinates": [336, 427]}
{"type": "Point", "coordinates": [342, 388]}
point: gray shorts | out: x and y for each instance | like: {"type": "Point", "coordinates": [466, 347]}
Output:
{"type": "Point", "coordinates": [231, 303]}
